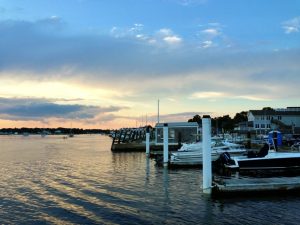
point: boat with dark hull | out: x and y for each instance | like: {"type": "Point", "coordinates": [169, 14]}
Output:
{"type": "Point", "coordinates": [265, 159]}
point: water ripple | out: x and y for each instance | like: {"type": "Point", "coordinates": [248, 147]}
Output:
{"type": "Point", "coordinates": [80, 181]}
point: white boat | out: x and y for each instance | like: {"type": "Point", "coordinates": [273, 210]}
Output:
{"type": "Point", "coordinates": [265, 159]}
{"type": "Point", "coordinates": [296, 147]}
{"type": "Point", "coordinates": [215, 142]}
{"type": "Point", "coordinates": [193, 156]}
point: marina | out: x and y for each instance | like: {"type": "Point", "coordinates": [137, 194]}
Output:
{"type": "Point", "coordinates": [145, 174]}
{"type": "Point", "coordinates": [266, 159]}
{"type": "Point", "coordinates": [149, 112]}
{"type": "Point", "coordinates": [81, 181]}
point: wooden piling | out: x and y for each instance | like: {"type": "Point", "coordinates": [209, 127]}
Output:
{"type": "Point", "coordinates": [207, 169]}
{"type": "Point", "coordinates": [166, 144]}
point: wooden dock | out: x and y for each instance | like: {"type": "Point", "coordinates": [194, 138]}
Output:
{"type": "Point", "coordinates": [130, 140]}
{"type": "Point", "coordinates": [128, 147]}
{"type": "Point", "coordinates": [133, 140]}
{"type": "Point", "coordinates": [252, 185]}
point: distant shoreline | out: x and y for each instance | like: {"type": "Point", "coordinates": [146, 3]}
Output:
{"type": "Point", "coordinates": [51, 131]}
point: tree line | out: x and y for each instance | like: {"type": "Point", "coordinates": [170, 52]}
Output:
{"type": "Point", "coordinates": [223, 123]}
{"type": "Point", "coordinates": [59, 130]}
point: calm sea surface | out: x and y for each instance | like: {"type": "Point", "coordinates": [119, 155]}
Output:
{"type": "Point", "coordinates": [79, 180]}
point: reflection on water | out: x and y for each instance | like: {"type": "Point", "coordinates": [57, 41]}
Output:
{"type": "Point", "coordinates": [80, 181]}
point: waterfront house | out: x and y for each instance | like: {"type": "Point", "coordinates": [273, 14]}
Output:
{"type": "Point", "coordinates": [287, 120]}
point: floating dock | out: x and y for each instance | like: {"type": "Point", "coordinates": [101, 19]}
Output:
{"type": "Point", "coordinates": [252, 185]}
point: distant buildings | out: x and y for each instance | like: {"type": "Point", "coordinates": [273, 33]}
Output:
{"type": "Point", "coordinates": [261, 121]}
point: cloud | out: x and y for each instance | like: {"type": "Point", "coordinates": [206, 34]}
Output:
{"type": "Point", "coordinates": [171, 117]}
{"type": "Point", "coordinates": [207, 95]}
{"type": "Point", "coordinates": [29, 46]}
{"type": "Point", "coordinates": [211, 31]}
{"type": "Point", "coordinates": [38, 109]}
{"type": "Point", "coordinates": [35, 47]}
{"type": "Point", "coordinates": [189, 2]}
{"type": "Point", "coordinates": [292, 25]}
{"type": "Point", "coordinates": [121, 32]}
{"type": "Point", "coordinates": [179, 117]}
{"type": "Point", "coordinates": [211, 35]}
{"type": "Point", "coordinates": [206, 44]}
{"type": "Point", "coordinates": [160, 37]}
{"type": "Point", "coordinates": [165, 32]}
{"type": "Point", "coordinates": [252, 98]}
{"type": "Point", "coordinates": [29, 52]}
{"type": "Point", "coordinates": [166, 35]}
{"type": "Point", "coordinates": [172, 39]}
{"type": "Point", "coordinates": [137, 27]}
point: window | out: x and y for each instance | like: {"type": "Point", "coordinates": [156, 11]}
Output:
{"type": "Point", "coordinates": [256, 125]}
{"type": "Point", "coordinates": [171, 133]}
{"type": "Point", "coordinates": [262, 118]}
{"type": "Point", "coordinates": [268, 126]}
{"type": "Point", "coordinates": [268, 118]}
{"type": "Point", "coordinates": [262, 126]}
{"type": "Point", "coordinates": [279, 117]}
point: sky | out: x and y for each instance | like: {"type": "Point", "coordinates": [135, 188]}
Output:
{"type": "Point", "coordinates": [105, 63]}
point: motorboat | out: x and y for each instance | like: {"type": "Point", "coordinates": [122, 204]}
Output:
{"type": "Point", "coordinates": [296, 146]}
{"type": "Point", "coordinates": [192, 156]}
{"type": "Point", "coordinates": [265, 159]}
{"type": "Point", "coordinates": [215, 142]}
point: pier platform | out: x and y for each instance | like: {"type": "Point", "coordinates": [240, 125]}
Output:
{"type": "Point", "coordinates": [252, 185]}
{"type": "Point", "coordinates": [129, 147]}
{"type": "Point", "coordinates": [130, 140]}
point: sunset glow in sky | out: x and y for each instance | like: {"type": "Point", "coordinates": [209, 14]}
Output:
{"type": "Point", "coordinates": [104, 64]}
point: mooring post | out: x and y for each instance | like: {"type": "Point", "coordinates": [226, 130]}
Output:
{"type": "Point", "coordinates": [248, 139]}
{"type": "Point", "coordinates": [120, 135]}
{"type": "Point", "coordinates": [166, 144]}
{"type": "Point", "coordinates": [206, 154]}
{"type": "Point", "coordinates": [147, 141]}
{"type": "Point", "coordinates": [275, 140]}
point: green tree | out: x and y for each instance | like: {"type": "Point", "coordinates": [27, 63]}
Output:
{"type": "Point", "coordinates": [240, 117]}
{"type": "Point", "coordinates": [223, 123]}
{"type": "Point", "coordinates": [267, 108]}
{"type": "Point", "coordinates": [196, 118]}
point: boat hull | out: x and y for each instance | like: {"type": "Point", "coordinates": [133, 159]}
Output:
{"type": "Point", "coordinates": [275, 163]}
{"type": "Point", "coordinates": [196, 159]}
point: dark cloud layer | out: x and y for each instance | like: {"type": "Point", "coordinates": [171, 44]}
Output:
{"type": "Point", "coordinates": [36, 109]}
{"type": "Point", "coordinates": [43, 46]}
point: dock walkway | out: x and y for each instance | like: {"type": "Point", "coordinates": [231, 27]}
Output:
{"type": "Point", "coordinates": [247, 185]}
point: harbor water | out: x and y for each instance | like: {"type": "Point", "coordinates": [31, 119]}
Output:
{"type": "Point", "coordinates": [51, 180]}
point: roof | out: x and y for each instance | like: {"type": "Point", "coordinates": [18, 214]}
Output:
{"type": "Point", "coordinates": [293, 107]}
{"type": "Point", "coordinates": [178, 124]}
{"type": "Point", "coordinates": [274, 113]}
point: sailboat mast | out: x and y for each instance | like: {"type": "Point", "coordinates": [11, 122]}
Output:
{"type": "Point", "coordinates": [158, 111]}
